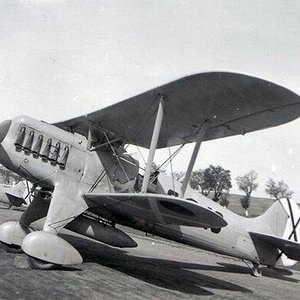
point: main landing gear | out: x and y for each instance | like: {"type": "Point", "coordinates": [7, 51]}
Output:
{"type": "Point", "coordinates": [256, 270]}
{"type": "Point", "coordinates": [34, 263]}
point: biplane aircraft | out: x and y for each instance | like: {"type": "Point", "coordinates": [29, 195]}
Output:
{"type": "Point", "coordinates": [95, 184]}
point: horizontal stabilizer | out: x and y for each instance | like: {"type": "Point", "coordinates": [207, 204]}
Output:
{"type": "Point", "coordinates": [159, 209]}
{"type": "Point", "coordinates": [290, 248]}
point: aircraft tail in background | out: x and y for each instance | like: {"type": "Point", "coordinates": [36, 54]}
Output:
{"type": "Point", "coordinates": [13, 195]}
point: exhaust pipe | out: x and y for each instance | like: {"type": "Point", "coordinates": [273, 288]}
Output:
{"type": "Point", "coordinates": [29, 142]}
{"type": "Point", "coordinates": [37, 148]}
{"type": "Point", "coordinates": [63, 161]}
{"type": "Point", "coordinates": [20, 139]}
{"type": "Point", "coordinates": [46, 152]}
{"type": "Point", "coordinates": [54, 156]}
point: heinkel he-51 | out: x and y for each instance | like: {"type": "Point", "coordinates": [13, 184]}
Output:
{"type": "Point", "coordinates": [87, 182]}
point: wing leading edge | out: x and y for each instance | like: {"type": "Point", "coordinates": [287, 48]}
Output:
{"type": "Point", "coordinates": [232, 103]}
{"type": "Point", "coordinates": [159, 209]}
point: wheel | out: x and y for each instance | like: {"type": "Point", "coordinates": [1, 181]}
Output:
{"type": "Point", "coordinates": [256, 273]}
{"type": "Point", "coordinates": [10, 248]}
{"type": "Point", "coordinates": [215, 230]}
{"type": "Point", "coordinates": [256, 270]}
{"type": "Point", "coordinates": [39, 264]}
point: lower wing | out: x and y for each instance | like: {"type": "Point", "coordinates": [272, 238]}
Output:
{"type": "Point", "coordinates": [159, 209]}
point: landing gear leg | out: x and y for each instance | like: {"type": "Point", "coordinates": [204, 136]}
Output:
{"type": "Point", "coordinates": [256, 270]}
{"type": "Point", "coordinates": [45, 248]}
{"type": "Point", "coordinates": [12, 233]}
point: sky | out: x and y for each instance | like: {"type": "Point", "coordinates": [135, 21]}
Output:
{"type": "Point", "coordinates": [61, 59]}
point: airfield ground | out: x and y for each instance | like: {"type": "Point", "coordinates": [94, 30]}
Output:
{"type": "Point", "coordinates": [157, 269]}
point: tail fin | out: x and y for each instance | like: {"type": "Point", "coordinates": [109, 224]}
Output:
{"type": "Point", "coordinates": [282, 220]}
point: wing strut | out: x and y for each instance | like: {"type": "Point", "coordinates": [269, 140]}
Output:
{"type": "Point", "coordinates": [153, 145]}
{"type": "Point", "coordinates": [189, 170]}
{"type": "Point", "coordinates": [89, 143]}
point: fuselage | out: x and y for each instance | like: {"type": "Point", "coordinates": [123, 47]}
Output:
{"type": "Point", "coordinates": [89, 170]}
{"type": "Point", "coordinates": [81, 166]}
{"type": "Point", "coordinates": [233, 240]}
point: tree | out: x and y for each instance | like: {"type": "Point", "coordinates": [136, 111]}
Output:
{"type": "Point", "coordinates": [247, 184]}
{"type": "Point", "coordinates": [218, 179]}
{"type": "Point", "coordinates": [213, 179]}
{"type": "Point", "coordinates": [245, 203]}
{"type": "Point", "coordinates": [224, 201]}
{"type": "Point", "coordinates": [278, 190]}
{"type": "Point", "coordinates": [198, 183]}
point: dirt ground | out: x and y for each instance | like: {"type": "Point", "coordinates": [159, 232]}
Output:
{"type": "Point", "coordinates": [157, 269]}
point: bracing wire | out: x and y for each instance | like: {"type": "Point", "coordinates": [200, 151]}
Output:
{"type": "Point", "coordinates": [141, 154]}
{"type": "Point", "coordinates": [167, 161]}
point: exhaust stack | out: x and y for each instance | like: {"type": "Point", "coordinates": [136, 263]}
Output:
{"type": "Point", "coordinates": [63, 161]}
{"type": "Point", "coordinates": [29, 142]}
{"type": "Point", "coordinates": [20, 139]}
{"type": "Point", "coordinates": [37, 148]}
{"type": "Point", "coordinates": [46, 152]}
{"type": "Point", "coordinates": [54, 156]}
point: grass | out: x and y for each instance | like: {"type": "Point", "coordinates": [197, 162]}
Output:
{"type": "Point", "coordinates": [257, 206]}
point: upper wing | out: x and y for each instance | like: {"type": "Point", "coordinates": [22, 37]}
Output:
{"type": "Point", "coordinates": [233, 103]}
{"type": "Point", "coordinates": [159, 209]}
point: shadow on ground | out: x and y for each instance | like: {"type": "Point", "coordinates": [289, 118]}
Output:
{"type": "Point", "coordinates": [168, 274]}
